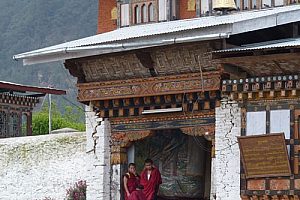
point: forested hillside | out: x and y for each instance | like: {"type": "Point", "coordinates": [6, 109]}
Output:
{"type": "Point", "coordinates": [31, 24]}
{"type": "Point", "coordinates": [27, 25]}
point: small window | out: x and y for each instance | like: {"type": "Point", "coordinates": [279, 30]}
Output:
{"type": "Point", "coordinates": [279, 2]}
{"type": "Point", "coordinates": [280, 122]}
{"type": "Point", "coordinates": [245, 4]}
{"type": "Point", "coordinates": [137, 15]}
{"type": "Point", "coordinates": [204, 7]}
{"type": "Point", "coordinates": [124, 14]}
{"type": "Point", "coordinates": [256, 123]}
{"type": "Point", "coordinates": [162, 6]}
{"type": "Point", "coordinates": [254, 4]}
{"type": "Point", "coordinates": [174, 9]}
{"type": "Point", "coordinates": [151, 12]}
{"type": "Point", "coordinates": [144, 14]}
{"type": "Point", "coordinates": [238, 4]}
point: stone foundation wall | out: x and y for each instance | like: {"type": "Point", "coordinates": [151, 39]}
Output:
{"type": "Point", "coordinates": [32, 168]}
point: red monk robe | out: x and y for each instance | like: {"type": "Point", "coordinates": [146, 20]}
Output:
{"type": "Point", "coordinates": [151, 186]}
{"type": "Point", "coordinates": [133, 182]}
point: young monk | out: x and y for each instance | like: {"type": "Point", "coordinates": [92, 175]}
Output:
{"type": "Point", "coordinates": [132, 187]}
{"type": "Point", "coordinates": [150, 180]}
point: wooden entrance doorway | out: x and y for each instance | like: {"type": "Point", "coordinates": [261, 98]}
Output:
{"type": "Point", "coordinates": [183, 160]}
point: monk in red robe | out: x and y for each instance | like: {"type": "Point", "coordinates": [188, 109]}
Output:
{"type": "Point", "coordinates": [150, 180]}
{"type": "Point", "coordinates": [132, 185]}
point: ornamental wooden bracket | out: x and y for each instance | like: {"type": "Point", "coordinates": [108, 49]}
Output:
{"type": "Point", "coordinates": [121, 141]}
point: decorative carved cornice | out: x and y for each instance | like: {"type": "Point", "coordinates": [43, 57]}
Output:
{"type": "Point", "coordinates": [270, 87]}
{"type": "Point", "coordinates": [162, 121]}
{"type": "Point", "coordinates": [176, 84]}
{"type": "Point", "coordinates": [162, 117]}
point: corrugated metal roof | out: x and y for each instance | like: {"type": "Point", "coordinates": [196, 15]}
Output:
{"type": "Point", "coordinates": [171, 26]}
{"type": "Point", "coordinates": [144, 31]}
{"type": "Point", "coordinates": [291, 42]}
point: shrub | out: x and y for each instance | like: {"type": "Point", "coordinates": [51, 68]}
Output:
{"type": "Point", "coordinates": [77, 192]}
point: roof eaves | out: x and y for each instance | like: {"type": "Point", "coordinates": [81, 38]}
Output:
{"type": "Point", "coordinates": [26, 88]}
{"type": "Point", "coordinates": [291, 42]}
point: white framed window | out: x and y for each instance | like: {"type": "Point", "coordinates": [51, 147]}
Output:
{"type": "Point", "coordinates": [280, 122]}
{"type": "Point", "coordinates": [151, 12]}
{"type": "Point", "coordinates": [245, 4]}
{"type": "Point", "coordinates": [144, 14]}
{"type": "Point", "coordinates": [254, 4]}
{"type": "Point", "coordinates": [173, 8]}
{"type": "Point", "coordinates": [204, 7]}
{"type": "Point", "coordinates": [124, 14]}
{"type": "Point", "coordinates": [137, 15]}
{"type": "Point", "coordinates": [256, 123]}
{"type": "Point", "coordinates": [162, 10]}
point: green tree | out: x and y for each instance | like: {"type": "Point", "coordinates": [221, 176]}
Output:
{"type": "Point", "coordinates": [71, 117]}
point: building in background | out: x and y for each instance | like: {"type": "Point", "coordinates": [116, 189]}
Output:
{"type": "Point", "coordinates": [182, 90]}
{"type": "Point", "coordinates": [16, 105]}
{"type": "Point", "coordinates": [123, 13]}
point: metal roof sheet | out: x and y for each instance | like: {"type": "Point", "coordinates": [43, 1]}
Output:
{"type": "Point", "coordinates": [147, 30]}
{"type": "Point", "coordinates": [291, 42]}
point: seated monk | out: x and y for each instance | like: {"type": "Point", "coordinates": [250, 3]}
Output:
{"type": "Point", "coordinates": [150, 180]}
{"type": "Point", "coordinates": [132, 185]}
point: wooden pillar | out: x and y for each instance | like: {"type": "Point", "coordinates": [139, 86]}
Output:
{"type": "Point", "coordinates": [29, 124]}
{"type": "Point", "coordinates": [118, 155]}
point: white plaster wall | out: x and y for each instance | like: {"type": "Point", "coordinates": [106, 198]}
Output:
{"type": "Point", "coordinates": [98, 155]}
{"type": "Point", "coordinates": [116, 182]}
{"type": "Point", "coordinates": [213, 187]}
{"type": "Point", "coordinates": [226, 165]}
{"type": "Point", "coordinates": [41, 166]}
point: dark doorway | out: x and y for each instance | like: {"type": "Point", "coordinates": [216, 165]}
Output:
{"type": "Point", "coordinates": [184, 162]}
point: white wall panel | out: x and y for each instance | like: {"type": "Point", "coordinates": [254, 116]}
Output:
{"type": "Point", "coordinates": [256, 123]}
